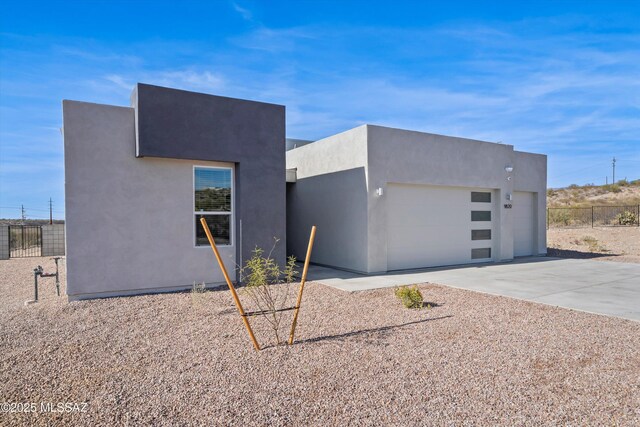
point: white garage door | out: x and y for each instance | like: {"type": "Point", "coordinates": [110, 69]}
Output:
{"type": "Point", "coordinates": [432, 225]}
{"type": "Point", "coordinates": [523, 223]}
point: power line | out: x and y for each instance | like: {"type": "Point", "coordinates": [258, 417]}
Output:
{"type": "Point", "coordinates": [28, 208]}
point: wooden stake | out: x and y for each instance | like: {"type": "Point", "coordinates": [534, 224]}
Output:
{"type": "Point", "coordinates": [302, 282]}
{"type": "Point", "coordinates": [231, 288]}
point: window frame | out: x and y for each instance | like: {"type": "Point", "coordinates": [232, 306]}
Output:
{"type": "Point", "coordinates": [231, 214]}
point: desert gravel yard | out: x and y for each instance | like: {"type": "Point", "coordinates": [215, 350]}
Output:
{"type": "Point", "coordinates": [620, 244]}
{"type": "Point", "coordinates": [361, 359]}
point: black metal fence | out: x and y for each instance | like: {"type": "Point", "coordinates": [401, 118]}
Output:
{"type": "Point", "coordinates": [25, 241]}
{"type": "Point", "coordinates": [594, 216]}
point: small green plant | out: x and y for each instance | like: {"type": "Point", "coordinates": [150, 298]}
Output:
{"type": "Point", "coordinates": [627, 218]}
{"type": "Point", "coordinates": [410, 296]}
{"type": "Point", "coordinates": [269, 287]}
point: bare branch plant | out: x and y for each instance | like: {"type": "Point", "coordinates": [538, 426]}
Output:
{"type": "Point", "coordinates": [269, 287]}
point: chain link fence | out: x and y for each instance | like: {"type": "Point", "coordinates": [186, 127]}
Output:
{"type": "Point", "coordinates": [594, 216]}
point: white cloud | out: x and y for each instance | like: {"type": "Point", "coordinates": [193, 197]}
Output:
{"type": "Point", "coordinates": [205, 81]}
{"type": "Point", "coordinates": [244, 12]}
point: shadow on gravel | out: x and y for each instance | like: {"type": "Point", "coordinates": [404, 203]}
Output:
{"type": "Point", "coordinates": [429, 304]}
{"type": "Point", "coordinates": [565, 253]}
{"type": "Point", "coordinates": [381, 329]}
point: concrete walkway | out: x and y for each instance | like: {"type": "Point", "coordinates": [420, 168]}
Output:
{"type": "Point", "coordinates": [602, 287]}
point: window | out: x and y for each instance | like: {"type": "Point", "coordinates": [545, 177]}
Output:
{"type": "Point", "coordinates": [480, 234]}
{"type": "Point", "coordinates": [213, 200]}
{"type": "Point", "coordinates": [482, 197]}
{"type": "Point", "coordinates": [480, 215]}
{"type": "Point", "coordinates": [480, 253]}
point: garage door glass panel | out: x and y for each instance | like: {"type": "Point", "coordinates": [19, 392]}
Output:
{"type": "Point", "coordinates": [480, 215]}
{"type": "Point", "coordinates": [480, 234]}
{"type": "Point", "coordinates": [480, 253]}
{"type": "Point", "coordinates": [481, 196]}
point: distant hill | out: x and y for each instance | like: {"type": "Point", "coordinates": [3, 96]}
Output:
{"type": "Point", "coordinates": [621, 193]}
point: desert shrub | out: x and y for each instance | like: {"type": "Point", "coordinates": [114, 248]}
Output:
{"type": "Point", "coordinates": [411, 297]}
{"type": "Point", "coordinates": [269, 287]}
{"type": "Point", "coordinates": [551, 192]}
{"type": "Point", "coordinates": [574, 186]}
{"type": "Point", "coordinates": [635, 182]}
{"type": "Point", "coordinates": [612, 188]}
{"type": "Point", "coordinates": [559, 217]}
{"type": "Point", "coordinates": [623, 183]}
{"type": "Point", "coordinates": [627, 218]}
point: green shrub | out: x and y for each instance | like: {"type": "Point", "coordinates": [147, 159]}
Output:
{"type": "Point", "coordinates": [411, 297]}
{"type": "Point", "coordinates": [574, 186]}
{"type": "Point", "coordinates": [623, 182]}
{"type": "Point", "coordinates": [627, 218]}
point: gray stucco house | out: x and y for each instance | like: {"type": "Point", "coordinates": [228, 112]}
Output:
{"type": "Point", "coordinates": [388, 199]}
{"type": "Point", "coordinates": [138, 178]}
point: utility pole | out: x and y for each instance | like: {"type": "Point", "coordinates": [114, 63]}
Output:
{"type": "Point", "coordinates": [613, 180]}
{"type": "Point", "coordinates": [50, 211]}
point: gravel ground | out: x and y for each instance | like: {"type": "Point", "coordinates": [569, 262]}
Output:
{"type": "Point", "coordinates": [621, 244]}
{"type": "Point", "coordinates": [361, 359]}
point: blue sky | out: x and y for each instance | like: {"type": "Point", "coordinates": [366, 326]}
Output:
{"type": "Point", "coordinates": [560, 78]}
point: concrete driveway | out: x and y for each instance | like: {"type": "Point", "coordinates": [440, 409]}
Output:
{"type": "Point", "coordinates": [601, 287]}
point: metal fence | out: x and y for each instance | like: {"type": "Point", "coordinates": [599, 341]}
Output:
{"type": "Point", "coordinates": [19, 241]}
{"type": "Point", "coordinates": [594, 216]}
{"type": "Point", "coordinates": [25, 241]}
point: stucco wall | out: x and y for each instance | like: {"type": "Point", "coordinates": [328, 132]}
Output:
{"type": "Point", "coordinates": [530, 174]}
{"type": "Point", "coordinates": [331, 194]}
{"type": "Point", "coordinates": [179, 124]}
{"type": "Point", "coordinates": [130, 221]}
{"type": "Point", "coordinates": [336, 203]}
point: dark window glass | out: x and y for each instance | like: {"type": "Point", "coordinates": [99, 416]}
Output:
{"type": "Point", "coordinates": [478, 196]}
{"type": "Point", "coordinates": [480, 253]}
{"type": "Point", "coordinates": [220, 230]}
{"type": "Point", "coordinates": [480, 215]}
{"type": "Point", "coordinates": [480, 234]}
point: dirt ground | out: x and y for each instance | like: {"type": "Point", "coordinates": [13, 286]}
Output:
{"type": "Point", "coordinates": [621, 244]}
{"type": "Point", "coordinates": [360, 359]}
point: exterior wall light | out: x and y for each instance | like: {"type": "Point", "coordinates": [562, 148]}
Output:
{"type": "Point", "coordinates": [379, 192]}
{"type": "Point", "coordinates": [509, 197]}
{"type": "Point", "coordinates": [509, 169]}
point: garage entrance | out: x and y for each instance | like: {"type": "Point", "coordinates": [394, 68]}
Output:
{"type": "Point", "coordinates": [524, 216]}
{"type": "Point", "coordinates": [430, 226]}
